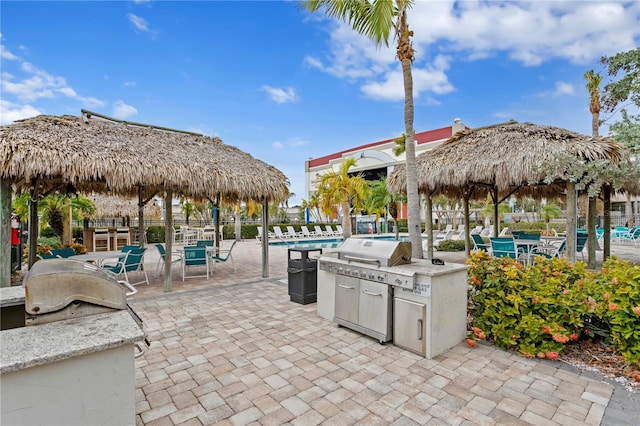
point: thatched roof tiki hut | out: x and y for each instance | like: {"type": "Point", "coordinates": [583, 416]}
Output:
{"type": "Point", "coordinates": [504, 160]}
{"type": "Point", "coordinates": [104, 155]}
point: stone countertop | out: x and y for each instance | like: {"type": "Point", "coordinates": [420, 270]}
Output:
{"type": "Point", "coordinates": [11, 296]}
{"type": "Point", "coordinates": [31, 346]}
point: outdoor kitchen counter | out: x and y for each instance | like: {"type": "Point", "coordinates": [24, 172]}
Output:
{"type": "Point", "coordinates": [41, 344]}
{"type": "Point", "coordinates": [11, 296]}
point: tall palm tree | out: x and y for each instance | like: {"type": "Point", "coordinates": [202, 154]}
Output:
{"type": "Point", "coordinates": [377, 19]}
{"type": "Point", "coordinates": [339, 188]}
{"type": "Point", "coordinates": [593, 80]}
{"type": "Point", "coordinates": [381, 201]}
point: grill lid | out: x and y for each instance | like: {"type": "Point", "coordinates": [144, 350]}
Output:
{"type": "Point", "coordinates": [52, 285]}
{"type": "Point", "coordinates": [376, 252]}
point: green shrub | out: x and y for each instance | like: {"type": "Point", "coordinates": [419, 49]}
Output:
{"type": "Point", "coordinates": [52, 242]}
{"type": "Point", "coordinates": [539, 308]}
{"type": "Point", "coordinates": [451, 245]}
{"type": "Point", "coordinates": [48, 232]}
{"type": "Point", "coordinates": [155, 234]}
{"type": "Point", "coordinates": [618, 295]}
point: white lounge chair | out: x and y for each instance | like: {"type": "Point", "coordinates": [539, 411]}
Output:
{"type": "Point", "coordinates": [339, 230]}
{"type": "Point", "coordinates": [279, 233]}
{"type": "Point", "coordinates": [319, 231]}
{"type": "Point", "coordinates": [329, 231]}
{"type": "Point", "coordinates": [306, 233]}
{"type": "Point", "coordinates": [291, 232]}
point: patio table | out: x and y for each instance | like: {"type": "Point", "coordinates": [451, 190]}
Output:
{"type": "Point", "coordinates": [98, 256]}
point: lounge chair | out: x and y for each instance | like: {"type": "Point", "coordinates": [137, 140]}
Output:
{"type": "Point", "coordinates": [319, 231]}
{"type": "Point", "coordinates": [330, 232]}
{"type": "Point", "coordinates": [306, 233]}
{"type": "Point", "coordinates": [339, 230]}
{"type": "Point", "coordinates": [291, 232]}
{"type": "Point", "coordinates": [279, 234]}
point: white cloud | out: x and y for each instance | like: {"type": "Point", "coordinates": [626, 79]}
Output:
{"type": "Point", "coordinates": [122, 110]}
{"type": "Point", "coordinates": [560, 89]}
{"type": "Point", "coordinates": [138, 22]}
{"type": "Point", "coordinates": [5, 54]}
{"type": "Point", "coordinates": [10, 112]}
{"type": "Point", "coordinates": [129, 84]}
{"type": "Point", "coordinates": [277, 145]}
{"type": "Point", "coordinates": [529, 33]}
{"type": "Point", "coordinates": [281, 95]}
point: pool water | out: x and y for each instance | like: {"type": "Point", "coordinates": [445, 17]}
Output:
{"type": "Point", "coordinates": [326, 243]}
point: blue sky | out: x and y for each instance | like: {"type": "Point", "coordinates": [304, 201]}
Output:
{"type": "Point", "coordinates": [285, 86]}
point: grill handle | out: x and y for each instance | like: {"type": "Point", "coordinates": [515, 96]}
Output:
{"type": "Point", "coordinates": [420, 329]}
{"type": "Point", "coordinates": [371, 294]}
{"type": "Point", "coordinates": [361, 259]}
{"type": "Point", "coordinates": [347, 287]}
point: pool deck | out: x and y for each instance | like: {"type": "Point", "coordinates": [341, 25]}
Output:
{"type": "Point", "coordinates": [234, 350]}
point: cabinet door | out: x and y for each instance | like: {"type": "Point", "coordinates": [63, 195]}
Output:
{"type": "Point", "coordinates": [347, 289]}
{"type": "Point", "coordinates": [408, 325]}
{"type": "Point", "coordinates": [374, 306]}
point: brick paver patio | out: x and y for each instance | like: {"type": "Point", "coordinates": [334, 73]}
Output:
{"type": "Point", "coordinates": [234, 350]}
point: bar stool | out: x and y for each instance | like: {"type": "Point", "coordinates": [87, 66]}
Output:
{"type": "Point", "coordinates": [101, 236]}
{"type": "Point", "coordinates": [123, 238]}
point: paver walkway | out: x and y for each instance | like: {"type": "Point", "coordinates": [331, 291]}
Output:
{"type": "Point", "coordinates": [234, 350]}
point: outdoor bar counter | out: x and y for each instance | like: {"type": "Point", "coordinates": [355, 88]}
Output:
{"type": "Point", "coordinates": [74, 372]}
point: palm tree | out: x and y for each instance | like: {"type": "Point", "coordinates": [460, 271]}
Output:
{"type": "Point", "coordinates": [382, 201]}
{"type": "Point", "coordinates": [188, 209]}
{"type": "Point", "coordinates": [593, 87]}
{"type": "Point", "coordinates": [339, 188]}
{"type": "Point", "coordinates": [550, 211]}
{"type": "Point", "coordinates": [376, 19]}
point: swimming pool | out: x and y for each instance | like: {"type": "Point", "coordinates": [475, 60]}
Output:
{"type": "Point", "coordinates": [327, 243]}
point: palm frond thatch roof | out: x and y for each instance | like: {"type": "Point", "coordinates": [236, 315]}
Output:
{"type": "Point", "coordinates": [112, 206]}
{"type": "Point", "coordinates": [506, 156]}
{"type": "Point", "coordinates": [95, 155]}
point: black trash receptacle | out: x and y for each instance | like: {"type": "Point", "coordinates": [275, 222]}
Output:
{"type": "Point", "coordinates": [303, 276]}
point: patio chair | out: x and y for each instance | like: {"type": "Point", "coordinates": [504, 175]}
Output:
{"type": "Point", "coordinates": [291, 232]}
{"type": "Point", "coordinates": [581, 241]}
{"type": "Point", "coordinates": [480, 244]}
{"type": "Point", "coordinates": [205, 243]}
{"type": "Point", "coordinates": [194, 256]}
{"type": "Point", "coordinates": [504, 231]}
{"type": "Point", "coordinates": [175, 256]}
{"type": "Point", "coordinates": [339, 230]}
{"type": "Point", "coordinates": [43, 256]}
{"type": "Point", "coordinates": [63, 252]}
{"type": "Point", "coordinates": [129, 248]}
{"type": "Point", "coordinates": [278, 232]}
{"type": "Point", "coordinates": [225, 255]}
{"type": "Point", "coordinates": [130, 261]}
{"type": "Point", "coordinates": [550, 250]}
{"type": "Point", "coordinates": [306, 233]}
{"type": "Point", "coordinates": [505, 247]}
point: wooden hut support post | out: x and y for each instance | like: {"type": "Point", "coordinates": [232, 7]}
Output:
{"type": "Point", "coordinates": [5, 232]}
{"type": "Point", "coordinates": [264, 241]}
{"type": "Point", "coordinates": [168, 238]}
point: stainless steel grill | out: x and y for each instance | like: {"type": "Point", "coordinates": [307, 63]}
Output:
{"type": "Point", "coordinates": [366, 271]}
{"type": "Point", "coordinates": [373, 260]}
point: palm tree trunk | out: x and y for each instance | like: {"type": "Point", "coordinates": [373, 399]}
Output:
{"type": "Point", "coordinates": [413, 198]}
{"type": "Point", "coordinates": [346, 220]}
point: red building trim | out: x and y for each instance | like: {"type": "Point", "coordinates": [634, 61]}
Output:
{"type": "Point", "coordinates": [421, 138]}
